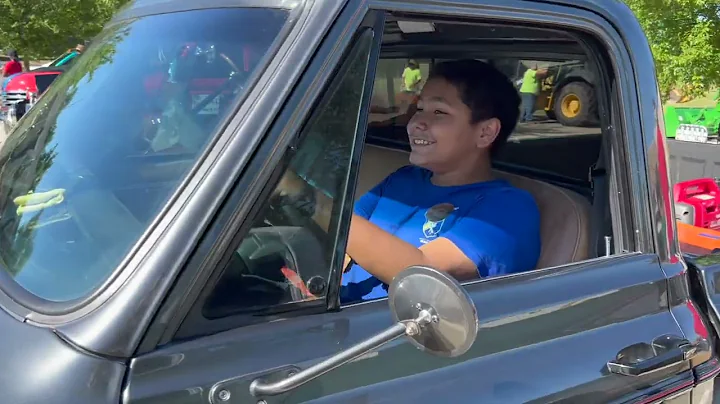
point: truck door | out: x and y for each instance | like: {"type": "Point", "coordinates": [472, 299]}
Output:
{"type": "Point", "coordinates": [593, 331]}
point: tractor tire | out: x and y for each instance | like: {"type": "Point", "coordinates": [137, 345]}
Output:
{"type": "Point", "coordinates": [576, 104]}
{"type": "Point", "coordinates": [550, 114]}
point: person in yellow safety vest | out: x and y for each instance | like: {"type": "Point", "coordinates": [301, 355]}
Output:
{"type": "Point", "coordinates": [529, 91]}
{"type": "Point", "coordinates": [412, 77]}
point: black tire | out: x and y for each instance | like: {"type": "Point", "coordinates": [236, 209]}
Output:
{"type": "Point", "coordinates": [550, 114]}
{"type": "Point", "coordinates": [587, 114]}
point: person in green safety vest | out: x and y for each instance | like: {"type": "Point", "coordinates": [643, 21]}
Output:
{"type": "Point", "coordinates": [529, 91]}
{"type": "Point", "coordinates": [412, 77]}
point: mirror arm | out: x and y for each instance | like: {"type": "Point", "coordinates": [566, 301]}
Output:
{"type": "Point", "coordinates": [260, 388]}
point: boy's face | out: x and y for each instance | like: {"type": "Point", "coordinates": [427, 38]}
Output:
{"type": "Point", "coordinates": [441, 133]}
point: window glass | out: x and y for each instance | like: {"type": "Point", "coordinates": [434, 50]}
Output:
{"type": "Point", "coordinates": [543, 144]}
{"type": "Point", "coordinates": [90, 166]}
{"type": "Point", "coordinates": [286, 256]}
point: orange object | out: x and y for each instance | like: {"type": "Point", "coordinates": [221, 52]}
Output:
{"type": "Point", "coordinates": [295, 279]}
{"type": "Point", "coordinates": [697, 240]}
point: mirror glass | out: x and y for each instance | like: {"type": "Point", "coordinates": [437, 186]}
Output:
{"type": "Point", "coordinates": [455, 324]}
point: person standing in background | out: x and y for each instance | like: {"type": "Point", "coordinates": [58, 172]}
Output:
{"type": "Point", "coordinates": [412, 77]}
{"type": "Point", "coordinates": [529, 91]}
{"type": "Point", "coordinates": [13, 66]}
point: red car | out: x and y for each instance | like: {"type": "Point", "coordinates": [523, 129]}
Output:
{"type": "Point", "coordinates": [19, 91]}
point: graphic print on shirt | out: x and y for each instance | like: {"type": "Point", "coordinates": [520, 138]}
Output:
{"type": "Point", "coordinates": [434, 220]}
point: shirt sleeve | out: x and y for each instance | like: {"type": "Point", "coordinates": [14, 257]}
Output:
{"type": "Point", "coordinates": [365, 206]}
{"type": "Point", "coordinates": [500, 233]}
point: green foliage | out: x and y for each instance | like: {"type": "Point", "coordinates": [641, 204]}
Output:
{"type": "Point", "coordinates": [44, 29]}
{"type": "Point", "coordinates": [685, 39]}
{"type": "Point", "coordinates": [684, 34]}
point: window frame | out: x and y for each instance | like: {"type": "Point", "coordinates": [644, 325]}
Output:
{"type": "Point", "coordinates": [187, 320]}
{"type": "Point", "coordinates": [617, 61]}
{"type": "Point", "coordinates": [613, 128]}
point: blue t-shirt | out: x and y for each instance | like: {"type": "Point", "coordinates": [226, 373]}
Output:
{"type": "Point", "coordinates": [495, 224]}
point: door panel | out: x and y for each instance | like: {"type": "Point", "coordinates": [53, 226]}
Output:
{"type": "Point", "coordinates": [706, 271]}
{"type": "Point", "coordinates": [545, 336]}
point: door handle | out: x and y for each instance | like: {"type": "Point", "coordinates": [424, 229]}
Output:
{"type": "Point", "coordinates": [642, 358]}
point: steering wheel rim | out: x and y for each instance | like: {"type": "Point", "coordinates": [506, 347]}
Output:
{"type": "Point", "coordinates": [290, 215]}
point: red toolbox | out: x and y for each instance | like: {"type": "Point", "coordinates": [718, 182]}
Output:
{"type": "Point", "coordinates": [696, 203]}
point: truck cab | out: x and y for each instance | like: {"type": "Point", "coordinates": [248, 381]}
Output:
{"type": "Point", "coordinates": [146, 258]}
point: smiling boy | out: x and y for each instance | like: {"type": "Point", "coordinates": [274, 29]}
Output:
{"type": "Point", "coordinates": [446, 210]}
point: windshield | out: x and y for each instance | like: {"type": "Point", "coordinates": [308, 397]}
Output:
{"type": "Point", "coordinates": [93, 162]}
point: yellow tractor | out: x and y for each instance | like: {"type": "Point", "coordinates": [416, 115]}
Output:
{"type": "Point", "coordinates": [567, 94]}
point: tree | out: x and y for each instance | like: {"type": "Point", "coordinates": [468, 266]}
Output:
{"type": "Point", "coordinates": [43, 29]}
{"type": "Point", "coordinates": [684, 36]}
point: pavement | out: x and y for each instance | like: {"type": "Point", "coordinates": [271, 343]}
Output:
{"type": "Point", "coordinates": [2, 136]}
{"type": "Point", "coordinates": [547, 129]}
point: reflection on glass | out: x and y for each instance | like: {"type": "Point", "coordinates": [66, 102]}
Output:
{"type": "Point", "coordinates": [90, 166]}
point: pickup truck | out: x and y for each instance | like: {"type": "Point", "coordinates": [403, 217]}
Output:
{"type": "Point", "coordinates": [19, 91]}
{"type": "Point", "coordinates": [144, 257]}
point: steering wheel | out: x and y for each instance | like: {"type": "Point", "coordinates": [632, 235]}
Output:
{"type": "Point", "coordinates": [283, 256]}
{"type": "Point", "coordinates": [292, 234]}
{"type": "Point", "coordinates": [283, 212]}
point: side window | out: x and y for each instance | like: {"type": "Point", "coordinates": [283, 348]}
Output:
{"type": "Point", "coordinates": [285, 258]}
{"type": "Point", "coordinates": [394, 89]}
{"type": "Point", "coordinates": [565, 114]}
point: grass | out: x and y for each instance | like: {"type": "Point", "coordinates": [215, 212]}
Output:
{"type": "Point", "coordinates": [708, 101]}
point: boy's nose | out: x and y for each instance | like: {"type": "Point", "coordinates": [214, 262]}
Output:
{"type": "Point", "coordinates": [417, 123]}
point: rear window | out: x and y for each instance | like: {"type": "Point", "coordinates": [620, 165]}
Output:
{"type": "Point", "coordinates": [547, 145]}
{"type": "Point", "coordinates": [91, 165]}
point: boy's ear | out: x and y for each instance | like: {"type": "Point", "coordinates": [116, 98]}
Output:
{"type": "Point", "coordinates": [486, 132]}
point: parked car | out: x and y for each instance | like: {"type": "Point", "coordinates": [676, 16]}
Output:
{"type": "Point", "coordinates": [19, 91]}
{"type": "Point", "coordinates": [143, 259]}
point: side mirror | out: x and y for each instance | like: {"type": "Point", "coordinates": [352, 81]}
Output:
{"type": "Point", "coordinates": [429, 307]}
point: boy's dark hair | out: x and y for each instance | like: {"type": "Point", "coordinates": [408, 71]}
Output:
{"type": "Point", "coordinates": [486, 91]}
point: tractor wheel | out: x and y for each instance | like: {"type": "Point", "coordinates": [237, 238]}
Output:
{"type": "Point", "coordinates": [576, 104]}
{"type": "Point", "coordinates": [550, 114]}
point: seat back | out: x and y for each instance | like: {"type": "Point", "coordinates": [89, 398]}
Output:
{"type": "Point", "coordinates": [564, 214]}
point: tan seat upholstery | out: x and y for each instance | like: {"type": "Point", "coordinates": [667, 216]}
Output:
{"type": "Point", "coordinates": [564, 215]}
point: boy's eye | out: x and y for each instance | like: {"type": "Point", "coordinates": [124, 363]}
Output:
{"type": "Point", "coordinates": [438, 112]}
